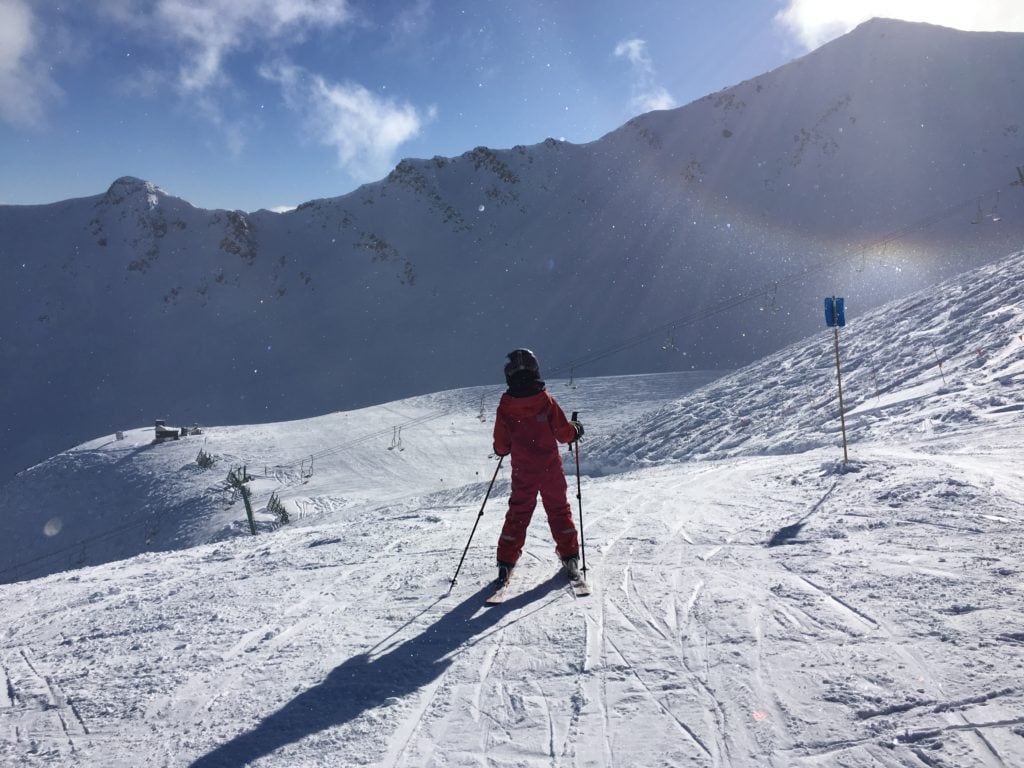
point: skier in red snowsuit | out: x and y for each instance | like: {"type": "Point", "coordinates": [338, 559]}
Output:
{"type": "Point", "coordinates": [529, 425]}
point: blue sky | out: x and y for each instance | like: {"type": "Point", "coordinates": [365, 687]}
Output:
{"type": "Point", "coordinates": [264, 103]}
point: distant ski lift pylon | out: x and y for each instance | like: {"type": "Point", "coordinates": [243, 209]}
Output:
{"type": "Point", "coordinates": [883, 252]}
{"type": "Point", "coordinates": [773, 306]}
{"type": "Point", "coordinates": [571, 384]}
{"type": "Point", "coordinates": [990, 215]}
{"type": "Point", "coordinates": [396, 439]}
{"type": "Point", "coordinates": [862, 262]}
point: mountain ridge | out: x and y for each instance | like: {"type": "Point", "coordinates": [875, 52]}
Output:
{"type": "Point", "coordinates": [133, 304]}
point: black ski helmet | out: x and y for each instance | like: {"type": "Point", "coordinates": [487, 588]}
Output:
{"type": "Point", "coordinates": [521, 360]}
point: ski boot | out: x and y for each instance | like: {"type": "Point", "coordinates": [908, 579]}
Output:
{"type": "Point", "coordinates": [504, 573]}
{"type": "Point", "coordinates": [572, 568]}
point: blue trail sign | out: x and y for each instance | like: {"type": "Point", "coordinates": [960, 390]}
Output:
{"type": "Point", "coordinates": [835, 312]}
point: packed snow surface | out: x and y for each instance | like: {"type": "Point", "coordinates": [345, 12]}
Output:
{"type": "Point", "coordinates": [757, 600]}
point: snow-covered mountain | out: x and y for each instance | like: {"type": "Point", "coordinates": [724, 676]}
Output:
{"type": "Point", "coordinates": [701, 237]}
{"type": "Point", "coordinates": [956, 345]}
{"type": "Point", "coordinates": [757, 601]}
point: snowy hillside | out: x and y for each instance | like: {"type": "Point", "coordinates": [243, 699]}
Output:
{"type": "Point", "coordinates": [949, 358]}
{"type": "Point", "coordinates": [881, 162]}
{"type": "Point", "coordinates": [109, 499]}
{"type": "Point", "coordinates": [760, 604]}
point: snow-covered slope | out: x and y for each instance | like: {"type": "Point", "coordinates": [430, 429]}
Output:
{"type": "Point", "coordinates": [949, 358]}
{"type": "Point", "coordinates": [109, 499]}
{"type": "Point", "coordinates": [861, 167]}
{"type": "Point", "coordinates": [754, 608]}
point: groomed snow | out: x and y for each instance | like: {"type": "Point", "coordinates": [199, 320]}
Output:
{"type": "Point", "coordinates": [757, 601]}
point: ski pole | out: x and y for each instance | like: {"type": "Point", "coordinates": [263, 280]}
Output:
{"type": "Point", "coordinates": [486, 495]}
{"type": "Point", "coordinates": [579, 498]}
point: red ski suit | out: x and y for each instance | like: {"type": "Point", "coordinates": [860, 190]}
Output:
{"type": "Point", "coordinates": [530, 428]}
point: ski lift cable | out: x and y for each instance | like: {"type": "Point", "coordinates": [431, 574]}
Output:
{"type": "Point", "coordinates": [723, 306]}
{"type": "Point", "coordinates": [88, 540]}
{"type": "Point", "coordinates": [795, 277]}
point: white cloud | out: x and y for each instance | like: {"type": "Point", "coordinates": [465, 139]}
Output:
{"type": "Point", "coordinates": [647, 93]}
{"type": "Point", "coordinates": [815, 22]}
{"type": "Point", "coordinates": [364, 129]}
{"type": "Point", "coordinates": [206, 33]}
{"type": "Point", "coordinates": [635, 51]}
{"type": "Point", "coordinates": [213, 29]}
{"type": "Point", "coordinates": [25, 82]}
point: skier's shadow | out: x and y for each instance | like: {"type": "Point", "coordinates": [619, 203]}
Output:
{"type": "Point", "coordinates": [786, 535]}
{"type": "Point", "coordinates": [366, 681]}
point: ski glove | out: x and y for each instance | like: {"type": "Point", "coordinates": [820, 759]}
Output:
{"type": "Point", "coordinates": [578, 426]}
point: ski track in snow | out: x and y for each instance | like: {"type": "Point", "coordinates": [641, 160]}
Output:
{"type": "Point", "coordinates": [755, 601]}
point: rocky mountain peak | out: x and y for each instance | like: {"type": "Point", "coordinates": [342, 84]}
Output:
{"type": "Point", "coordinates": [129, 187]}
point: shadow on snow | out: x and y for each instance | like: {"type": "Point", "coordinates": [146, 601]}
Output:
{"type": "Point", "coordinates": [366, 681]}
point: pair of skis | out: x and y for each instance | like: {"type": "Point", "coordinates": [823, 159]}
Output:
{"type": "Point", "coordinates": [580, 588]}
